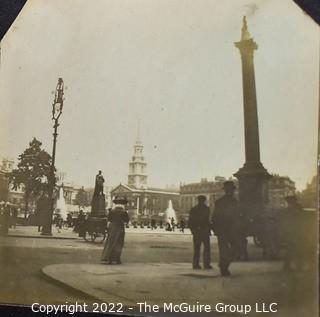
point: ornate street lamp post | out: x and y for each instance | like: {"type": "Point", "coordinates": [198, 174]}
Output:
{"type": "Point", "coordinates": [57, 107]}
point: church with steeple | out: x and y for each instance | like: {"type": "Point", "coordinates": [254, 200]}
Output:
{"type": "Point", "coordinates": [144, 202]}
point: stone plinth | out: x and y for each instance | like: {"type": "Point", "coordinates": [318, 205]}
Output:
{"type": "Point", "coordinates": [98, 206]}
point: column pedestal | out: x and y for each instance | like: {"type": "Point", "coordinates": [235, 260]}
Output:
{"type": "Point", "coordinates": [253, 188]}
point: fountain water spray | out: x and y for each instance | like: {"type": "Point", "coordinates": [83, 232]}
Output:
{"type": "Point", "coordinates": [61, 208]}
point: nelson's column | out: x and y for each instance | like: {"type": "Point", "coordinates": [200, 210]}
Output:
{"type": "Point", "coordinates": [253, 177]}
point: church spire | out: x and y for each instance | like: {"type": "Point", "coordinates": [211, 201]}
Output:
{"type": "Point", "coordinates": [137, 176]}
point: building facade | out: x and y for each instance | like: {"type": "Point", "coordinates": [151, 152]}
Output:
{"type": "Point", "coordinates": [7, 193]}
{"type": "Point", "coordinates": [308, 196]}
{"type": "Point", "coordinates": [147, 203]}
{"type": "Point", "coordinates": [279, 187]}
{"type": "Point", "coordinates": [213, 190]}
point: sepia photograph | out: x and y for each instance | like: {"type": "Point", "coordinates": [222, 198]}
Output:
{"type": "Point", "coordinates": [159, 157]}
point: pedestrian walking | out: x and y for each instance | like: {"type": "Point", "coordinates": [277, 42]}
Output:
{"type": "Point", "coordinates": [81, 224]}
{"type": "Point", "coordinates": [14, 217]}
{"type": "Point", "coordinates": [153, 224]}
{"type": "Point", "coordinates": [69, 220]}
{"type": "Point", "coordinates": [37, 217]}
{"type": "Point", "coordinates": [58, 220]}
{"type": "Point", "coordinates": [225, 224]}
{"type": "Point", "coordinates": [173, 224]}
{"type": "Point", "coordinates": [182, 225]}
{"type": "Point", "coordinates": [39, 212]}
{"type": "Point", "coordinates": [5, 219]}
{"type": "Point", "coordinates": [43, 212]}
{"type": "Point", "coordinates": [199, 224]}
{"type": "Point", "coordinates": [117, 219]}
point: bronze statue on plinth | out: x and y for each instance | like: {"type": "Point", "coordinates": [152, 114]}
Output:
{"type": "Point", "coordinates": [98, 204]}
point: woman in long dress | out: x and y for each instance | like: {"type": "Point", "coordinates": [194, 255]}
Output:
{"type": "Point", "coordinates": [117, 219]}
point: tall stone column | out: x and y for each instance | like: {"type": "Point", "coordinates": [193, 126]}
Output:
{"type": "Point", "coordinates": [253, 177]}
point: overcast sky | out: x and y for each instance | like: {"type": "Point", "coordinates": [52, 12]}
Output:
{"type": "Point", "coordinates": [171, 63]}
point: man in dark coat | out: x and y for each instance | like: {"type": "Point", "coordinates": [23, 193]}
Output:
{"type": "Point", "coordinates": [225, 224]}
{"type": "Point", "coordinates": [81, 224]}
{"type": "Point", "coordinates": [43, 212]}
{"type": "Point", "coordinates": [199, 224]}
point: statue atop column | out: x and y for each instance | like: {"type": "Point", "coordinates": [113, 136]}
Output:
{"type": "Point", "coordinates": [98, 204]}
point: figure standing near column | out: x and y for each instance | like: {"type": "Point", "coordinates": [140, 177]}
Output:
{"type": "Point", "coordinates": [199, 224]}
{"type": "Point", "coordinates": [225, 224]}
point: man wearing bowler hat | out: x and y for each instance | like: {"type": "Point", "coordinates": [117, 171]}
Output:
{"type": "Point", "coordinates": [199, 224]}
{"type": "Point", "coordinates": [226, 224]}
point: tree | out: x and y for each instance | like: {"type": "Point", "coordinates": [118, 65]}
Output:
{"type": "Point", "coordinates": [32, 172]}
{"type": "Point", "coordinates": [82, 198]}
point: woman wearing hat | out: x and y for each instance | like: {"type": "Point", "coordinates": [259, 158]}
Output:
{"type": "Point", "coordinates": [117, 217]}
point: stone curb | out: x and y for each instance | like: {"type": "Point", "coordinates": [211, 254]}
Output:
{"type": "Point", "coordinates": [39, 237]}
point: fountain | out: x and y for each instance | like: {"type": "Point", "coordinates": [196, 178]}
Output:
{"type": "Point", "coordinates": [170, 213]}
{"type": "Point", "coordinates": [61, 207]}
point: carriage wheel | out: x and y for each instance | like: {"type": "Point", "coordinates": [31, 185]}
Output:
{"type": "Point", "coordinates": [99, 237]}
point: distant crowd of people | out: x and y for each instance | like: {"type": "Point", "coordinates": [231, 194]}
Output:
{"type": "Point", "coordinates": [169, 224]}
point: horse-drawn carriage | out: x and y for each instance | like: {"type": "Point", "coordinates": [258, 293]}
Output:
{"type": "Point", "coordinates": [270, 230]}
{"type": "Point", "coordinates": [95, 229]}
